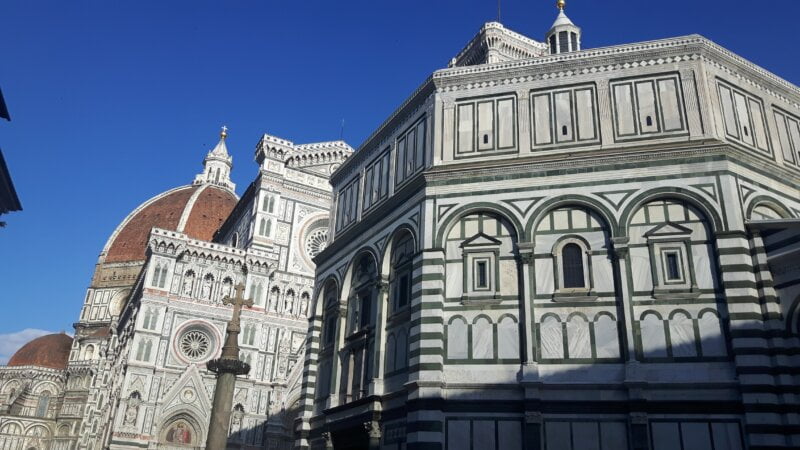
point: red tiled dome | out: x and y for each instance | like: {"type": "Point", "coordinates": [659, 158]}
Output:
{"type": "Point", "coordinates": [203, 209]}
{"type": "Point", "coordinates": [51, 351]}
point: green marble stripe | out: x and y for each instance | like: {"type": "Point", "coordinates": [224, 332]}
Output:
{"type": "Point", "coordinates": [734, 251]}
{"type": "Point", "coordinates": [426, 336]}
{"type": "Point", "coordinates": [425, 366]}
{"type": "Point", "coordinates": [482, 307]}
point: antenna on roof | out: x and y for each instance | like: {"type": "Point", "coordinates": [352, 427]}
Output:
{"type": "Point", "coordinates": [498, 10]}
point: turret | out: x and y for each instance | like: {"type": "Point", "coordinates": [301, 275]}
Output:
{"type": "Point", "coordinates": [217, 165]}
{"type": "Point", "coordinates": [564, 36]}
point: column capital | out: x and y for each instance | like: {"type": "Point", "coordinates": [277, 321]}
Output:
{"type": "Point", "coordinates": [620, 245]}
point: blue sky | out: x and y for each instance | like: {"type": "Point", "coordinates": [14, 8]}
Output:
{"type": "Point", "coordinates": [114, 102]}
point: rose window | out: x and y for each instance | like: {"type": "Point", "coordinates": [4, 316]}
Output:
{"type": "Point", "coordinates": [316, 242]}
{"type": "Point", "coordinates": [195, 345]}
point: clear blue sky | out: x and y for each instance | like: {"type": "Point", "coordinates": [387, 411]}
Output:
{"type": "Point", "coordinates": [112, 103]}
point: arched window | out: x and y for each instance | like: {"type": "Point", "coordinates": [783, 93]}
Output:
{"type": "Point", "coordinates": [271, 205]}
{"type": "Point", "coordinates": [43, 405]}
{"type": "Point", "coordinates": [89, 352]}
{"type": "Point", "coordinates": [400, 277]}
{"type": "Point", "coordinates": [162, 280]}
{"type": "Point", "coordinates": [265, 203]}
{"type": "Point", "coordinates": [148, 318]}
{"type": "Point", "coordinates": [268, 228]}
{"type": "Point", "coordinates": [262, 227]}
{"type": "Point", "coordinates": [156, 276]}
{"type": "Point", "coordinates": [572, 259]}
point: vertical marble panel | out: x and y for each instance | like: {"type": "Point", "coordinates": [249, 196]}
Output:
{"type": "Point", "coordinates": [578, 342]}
{"type": "Point", "coordinates": [509, 435]}
{"type": "Point", "coordinates": [457, 339]}
{"type": "Point", "coordinates": [483, 435]}
{"type": "Point", "coordinates": [654, 340]}
{"type": "Point", "coordinates": [681, 332]}
{"type": "Point", "coordinates": [727, 436]}
{"type": "Point", "coordinates": [759, 128]}
{"type": "Point", "coordinates": [744, 118]}
{"type": "Point", "coordinates": [458, 435]}
{"type": "Point", "coordinates": [485, 125]}
{"type": "Point", "coordinates": [613, 435]}
{"type": "Point", "coordinates": [585, 436]}
{"type": "Point", "coordinates": [696, 436]}
{"type": "Point", "coordinates": [666, 436]}
{"type": "Point", "coordinates": [542, 117]}
{"type": "Point", "coordinates": [586, 114]}
{"type": "Point", "coordinates": [564, 128]}
{"type": "Point", "coordinates": [505, 123]}
{"type": "Point", "coordinates": [465, 133]}
{"type": "Point", "coordinates": [606, 337]}
{"type": "Point", "coordinates": [623, 105]}
{"type": "Point", "coordinates": [670, 104]}
{"type": "Point", "coordinates": [712, 339]}
{"type": "Point", "coordinates": [508, 277]}
{"type": "Point", "coordinates": [401, 352]}
{"type": "Point", "coordinates": [391, 348]}
{"type": "Point", "coordinates": [551, 345]}
{"type": "Point", "coordinates": [728, 114]}
{"type": "Point", "coordinates": [557, 436]}
{"type": "Point", "coordinates": [482, 339]}
{"type": "Point", "coordinates": [783, 138]}
{"type": "Point", "coordinates": [507, 339]}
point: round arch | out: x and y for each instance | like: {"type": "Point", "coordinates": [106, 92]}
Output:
{"type": "Point", "coordinates": [579, 200]}
{"type": "Point", "coordinates": [472, 208]}
{"type": "Point", "coordinates": [715, 220]}
{"type": "Point", "coordinates": [770, 202]}
{"type": "Point", "coordinates": [319, 302]}
{"type": "Point", "coordinates": [347, 281]}
{"type": "Point", "coordinates": [386, 258]}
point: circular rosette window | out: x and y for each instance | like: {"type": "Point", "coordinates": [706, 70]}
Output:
{"type": "Point", "coordinates": [196, 343]}
{"type": "Point", "coordinates": [314, 239]}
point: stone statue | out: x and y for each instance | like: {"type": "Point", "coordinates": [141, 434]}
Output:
{"type": "Point", "coordinates": [187, 285]}
{"type": "Point", "coordinates": [131, 413]}
{"type": "Point", "coordinates": [206, 291]}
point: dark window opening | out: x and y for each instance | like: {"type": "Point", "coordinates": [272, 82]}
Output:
{"type": "Point", "coordinates": [572, 258]}
{"type": "Point", "coordinates": [649, 121]}
{"type": "Point", "coordinates": [574, 40]}
{"type": "Point", "coordinates": [745, 132]}
{"type": "Point", "coordinates": [553, 48]}
{"type": "Point", "coordinates": [673, 267]}
{"type": "Point", "coordinates": [330, 327]}
{"type": "Point", "coordinates": [563, 42]}
{"type": "Point", "coordinates": [482, 275]}
{"type": "Point", "coordinates": [485, 138]}
{"type": "Point", "coordinates": [564, 130]}
{"type": "Point", "coordinates": [403, 290]}
{"type": "Point", "coordinates": [365, 310]}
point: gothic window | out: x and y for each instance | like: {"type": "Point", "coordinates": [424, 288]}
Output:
{"type": "Point", "coordinates": [572, 258]}
{"type": "Point", "coordinates": [262, 227]}
{"type": "Point", "coordinates": [156, 276]}
{"type": "Point", "coordinates": [257, 292]}
{"type": "Point", "coordinates": [150, 319]}
{"type": "Point", "coordinates": [43, 404]}
{"type": "Point", "coordinates": [248, 336]}
{"type": "Point", "coordinates": [271, 208]}
{"type": "Point", "coordinates": [268, 229]}
{"type": "Point", "coordinates": [265, 203]}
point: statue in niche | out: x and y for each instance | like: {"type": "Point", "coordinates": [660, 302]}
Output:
{"type": "Point", "coordinates": [131, 413]}
{"type": "Point", "coordinates": [273, 299]}
{"type": "Point", "coordinates": [187, 284]}
{"type": "Point", "coordinates": [205, 292]}
{"type": "Point", "coordinates": [289, 303]}
{"type": "Point", "coordinates": [226, 287]}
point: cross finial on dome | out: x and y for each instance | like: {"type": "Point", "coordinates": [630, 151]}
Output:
{"type": "Point", "coordinates": [561, 4]}
{"type": "Point", "coordinates": [224, 133]}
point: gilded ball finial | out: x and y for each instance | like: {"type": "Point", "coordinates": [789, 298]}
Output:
{"type": "Point", "coordinates": [561, 4]}
{"type": "Point", "coordinates": [224, 133]}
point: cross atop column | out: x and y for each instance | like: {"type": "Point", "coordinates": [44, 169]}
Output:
{"type": "Point", "coordinates": [237, 301]}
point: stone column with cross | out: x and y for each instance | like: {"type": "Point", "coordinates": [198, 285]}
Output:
{"type": "Point", "coordinates": [227, 367]}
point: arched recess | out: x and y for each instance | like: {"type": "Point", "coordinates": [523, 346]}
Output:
{"type": "Point", "coordinates": [671, 193]}
{"type": "Point", "coordinates": [583, 201]}
{"type": "Point", "coordinates": [763, 201]}
{"type": "Point", "coordinates": [182, 429]}
{"type": "Point", "coordinates": [327, 309]}
{"type": "Point", "coordinates": [357, 342]}
{"type": "Point", "coordinates": [473, 208]}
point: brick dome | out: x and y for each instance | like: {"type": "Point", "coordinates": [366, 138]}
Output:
{"type": "Point", "coordinates": [198, 211]}
{"type": "Point", "coordinates": [51, 351]}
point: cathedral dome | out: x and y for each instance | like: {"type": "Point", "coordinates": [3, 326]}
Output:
{"type": "Point", "coordinates": [197, 210]}
{"type": "Point", "coordinates": [51, 351]}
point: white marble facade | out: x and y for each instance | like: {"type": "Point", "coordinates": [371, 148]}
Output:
{"type": "Point", "coordinates": [599, 257]}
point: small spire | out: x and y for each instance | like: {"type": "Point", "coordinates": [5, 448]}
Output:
{"type": "Point", "coordinates": [561, 4]}
{"type": "Point", "coordinates": [224, 133]}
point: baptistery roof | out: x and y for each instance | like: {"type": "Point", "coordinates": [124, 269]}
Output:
{"type": "Point", "coordinates": [197, 210]}
{"type": "Point", "coordinates": [51, 351]}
